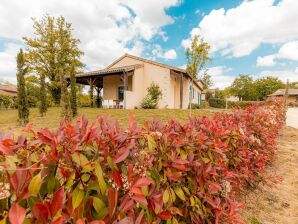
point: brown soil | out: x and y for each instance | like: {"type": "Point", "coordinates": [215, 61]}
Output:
{"type": "Point", "coordinates": [277, 202]}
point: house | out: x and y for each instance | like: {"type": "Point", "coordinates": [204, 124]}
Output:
{"type": "Point", "coordinates": [292, 95]}
{"type": "Point", "coordinates": [205, 91]}
{"type": "Point", "coordinates": [124, 83]}
{"type": "Point", "coordinates": [8, 90]}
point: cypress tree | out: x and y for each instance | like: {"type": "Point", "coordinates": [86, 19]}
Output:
{"type": "Point", "coordinates": [23, 111]}
{"type": "Point", "coordinates": [73, 93]}
{"type": "Point", "coordinates": [43, 107]}
{"type": "Point", "coordinates": [64, 96]}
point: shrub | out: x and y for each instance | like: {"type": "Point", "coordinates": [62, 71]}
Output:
{"type": "Point", "coordinates": [208, 95]}
{"type": "Point", "coordinates": [217, 103]}
{"type": "Point", "coordinates": [179, 173]}
{"type": "Point", "coordinates": [194, 106]}
{"type": "Point", "coordinates": [151, 99]}
{"type": "Point", "coordinates": [7, 102]}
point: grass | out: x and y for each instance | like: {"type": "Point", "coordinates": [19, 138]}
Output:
{"type": "Point", "coordinates": [8, 118]}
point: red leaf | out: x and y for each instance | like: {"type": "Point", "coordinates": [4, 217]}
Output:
{"type": "Point", "coordinates": [165, 215]}
{"type": "Point", "coordinates": [214, 188]}
{"type": "Point", "coordinates": [136, 190]}
{"type": "Point", "coordinates": [117, 178]}
{"type": "Point", "coordinates": [60, 220]}
{"type": "Point", "coordinates": [140, 198]}
{"type": "Point", "coordinates": [16, 214]}
{"type": "Point", "coordinates": [40, 212]}
{"type": "Point", "coordinates": [121, 154]}
{"type": "Point", "coordinates": [80, 221]}
{"type": "Point", "coordinates": [144, 181]}
{"type": "Point", "coordinates": [57, 201]}
{"type": "Point", "coordinates": [113, 199]}
{"type": "Point", "coordinates": [97, 222]}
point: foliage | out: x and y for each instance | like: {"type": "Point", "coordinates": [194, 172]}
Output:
{"type": "Point", "coordinates": [267, 85]}
{"type": "Point", "coordinates": [220, 94]}
{"type": "Point", "coordinates": [7, 102]}
{"type": "Point", "coordinates": [217, 103]}
{"type": "Point", "coordinates": [154, 93]}
{"type": "Point", "coordinates": [65, 98]}
{"type": "Point", "coordinates": [53, 48]}
{"type": "Point", "coordinates": [73, 94]}
{"type": "Point", "coordinates": [32, 88]}
{"type": "Point", "coordinates": [160, 173]}
{"type": "Point", "coordinates": [91, 96]}
{"type": "Point", "coordinates": [242, 104]}
{"type": "Point", "coordinates": [197, 56]}
{"type": "Point", "coordinates": [23, 110]}
{"type": "Point", "coordinates": [208, 95]}
{"type": "Point", "coordinates": [194, 106]}
{"type": "Point", "coordinates": [43, 107]}
{"type": "Point", "coordinates": [207, 81]}
{"type": "Point", "coordinates": [244, 88]}
{"type": "Point", "coordinates": [83, 100]}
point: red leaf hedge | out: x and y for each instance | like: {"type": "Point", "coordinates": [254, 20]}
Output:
{"type": "Point", "coordinates": [158, 173]}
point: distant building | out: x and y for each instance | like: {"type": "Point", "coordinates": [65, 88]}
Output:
{"type": "Point", "coordinates": [212, 91]}
{"type": "Point", "coordinates": [8, 90]}
{"type": "Point", "coordinates": [292, 95]}
{"type": "Point", "coordinates": [233, 98]}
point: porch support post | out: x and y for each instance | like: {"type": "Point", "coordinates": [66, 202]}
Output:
{"type": "Point", "coordinates": [181, 90]}
{"type": "Point", "coordinates": [98, 103]}
{"type": "Point", "coordinates": [91, 83]}
{"type": "Point", "coordinates": [125, 88]}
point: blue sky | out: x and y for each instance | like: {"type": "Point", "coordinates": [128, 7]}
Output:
{"type": "Point", "coordinates": [256, 37]}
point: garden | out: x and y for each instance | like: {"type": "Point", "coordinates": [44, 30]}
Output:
{"type": "Point", "coordinates": [159, 172]}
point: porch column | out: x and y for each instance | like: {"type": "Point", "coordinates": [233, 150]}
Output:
{"type": "Point", "coordinates": [98, 103]}
{"type": "Point", "coordinates": [181, 90]}
{"type": "Point", "coordinates": [91, 84]}
{"type": "Point", "coordinates": [125, 88]}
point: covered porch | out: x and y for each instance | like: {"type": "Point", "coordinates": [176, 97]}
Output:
{"type": "Point", "coordinates": [108, 87]}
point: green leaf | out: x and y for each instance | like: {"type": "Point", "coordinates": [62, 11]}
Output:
{"type": "Point", "coordinates": [166, 196]}
{"type": "Point", "coordinates": [151, 143]}
{"type": "Point", "coordinates": [35, 184]}
{"type": "Point", "coordinates": [70, 181]}
{"type": "Point", "coordinates": [85, 177]}
{"type": "Point", "coordinates": [77, 197]}
{"type": "Point", "coordinates": [101, 181]}
{"type": "Point", "coordinates": [179, 192]}
{"type": "Point", "coordinates": [98, 204]}
{"type": "Point", "coordinates": [206, 160]}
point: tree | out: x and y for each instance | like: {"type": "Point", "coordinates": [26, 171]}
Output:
{"type": "Point", "coordinates": [197, 56]}
{"type": "Point", "coordinates": [73, 94]}
{"type": "Point", "coordinates": [32, 88]}
{"type": "Point", "coordinates": [53, 48]}
{"type": "Point", "coordinates": [43, 107]}
{"type": "Point", "coordinates": [23, 111]}
{"type": "Point", "coordinates": [244, 88]}
{"type": "Point", "coordinates": [65, 101]}
{"type": "Point", "coordinates": [207, 81]}
{"type": "Point", "coordinates": [267, 85]}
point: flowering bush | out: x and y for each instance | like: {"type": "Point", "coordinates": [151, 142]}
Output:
{"type": "Point", "coordinates": [159, 173]}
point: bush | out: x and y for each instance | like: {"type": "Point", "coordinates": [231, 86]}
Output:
{"type": "Point", "coordinates": [7, 102]}
{"type": "Point", "coordinates": [186, 173]}
{"type": "Point", "coordinates": [194, 106]}
{"type": "Point", "coordinates": [151, 99]}
{"type": "Point", "coordinates": [217, 103]}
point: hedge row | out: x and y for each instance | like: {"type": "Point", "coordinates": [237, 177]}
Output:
{"type": "Point", "coordinates": [159, 173]}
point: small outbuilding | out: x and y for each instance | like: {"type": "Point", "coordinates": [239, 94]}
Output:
{"type": "Point", "coordinates": [292, 95]}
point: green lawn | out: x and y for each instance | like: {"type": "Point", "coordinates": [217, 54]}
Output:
{"type": "Point", "coordinates": [8, 118]}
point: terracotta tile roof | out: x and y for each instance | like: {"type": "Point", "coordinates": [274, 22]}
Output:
{"type": "Point", "coordinates": [281, 92]}
{"type": "Point", "coordinates": [8, 90]}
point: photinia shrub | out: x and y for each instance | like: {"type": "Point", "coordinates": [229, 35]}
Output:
{"type": "Point", "coordinates": [160, 173]}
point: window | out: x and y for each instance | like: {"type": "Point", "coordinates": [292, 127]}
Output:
{"type": "Point", "coordinates": [120, 93]}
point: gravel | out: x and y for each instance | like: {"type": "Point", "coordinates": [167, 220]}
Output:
{"type": "Point", "coordinates": [292, 117]}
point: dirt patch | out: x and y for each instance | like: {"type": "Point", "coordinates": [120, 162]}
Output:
{"type": "Point", "coordinates": [277, 201]}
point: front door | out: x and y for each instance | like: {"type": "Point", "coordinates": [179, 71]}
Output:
{"type": "Point", "coordinates": [120, 93]}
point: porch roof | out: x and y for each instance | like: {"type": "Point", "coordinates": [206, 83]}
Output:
{"type": "Point", "coordinates": [97, 75]}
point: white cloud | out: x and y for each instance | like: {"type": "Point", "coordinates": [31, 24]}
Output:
{"type": "Point", "coordinates": [160, 53]}
{"type": "Point", "coordinates": [220, 78]}
{"type": "Point", "coordinates": [107, 29]}
{"type": "Point", "coordinates": [287, 51]}
{"type": "Point", "coordinates": [240, 30]}
{"type": "Point", "coordinates": [284, 75]}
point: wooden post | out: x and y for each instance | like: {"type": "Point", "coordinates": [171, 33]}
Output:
{"type": "Point", "coordinates": [98, 104]}
{"type": "Point", "coordinates": [181, 90]}
{"type": "Point", "coordinates": [125, 88]}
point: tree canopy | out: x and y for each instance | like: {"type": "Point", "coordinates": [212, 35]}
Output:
{"type": "Point", "coordinates": [197, 55]}
{"type": "Point", "coordinates": [207, 81]}
{"type": "Point", "coordinates": [51, 50]}
{"type": "Point", "coordinates": [267, 85]}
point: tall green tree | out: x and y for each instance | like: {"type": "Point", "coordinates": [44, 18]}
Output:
{"type": "Point", "coordinates": [43, 106]}
{"type": "Point", "coordinates": [22, 69]}
{"type": "Point", "coordinates": [65, 101]}
{"type": "Point", "coordinates": [207, 81]}
{"type": "Point", "coordinates": [197, 55]}
{"type": "Point", "coordinates": [51, 49]}
{"type": "Point", "coordinates": [73, 94]}
{"type": "Point", "coordinates": [243, 87]}
{"type": "Point", "coordinates": [267, 85]}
